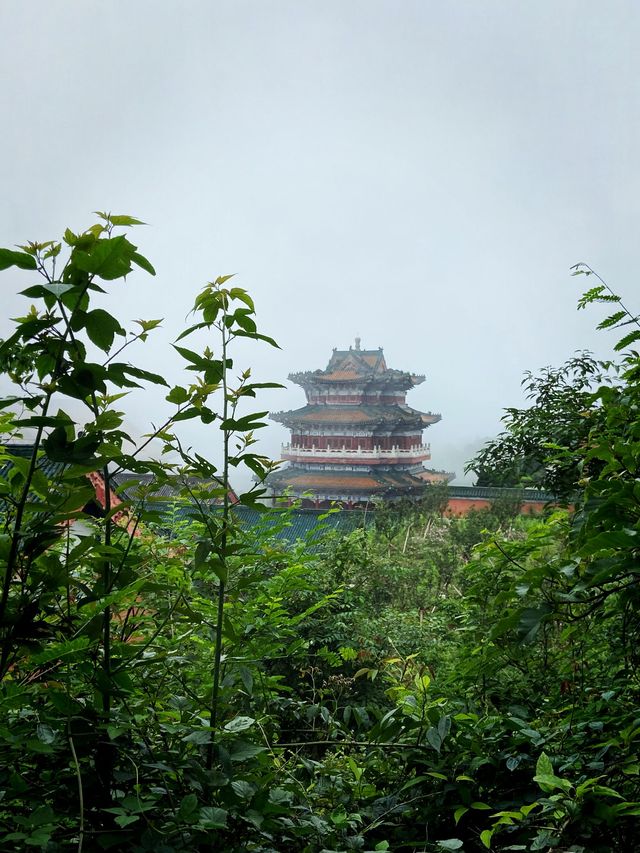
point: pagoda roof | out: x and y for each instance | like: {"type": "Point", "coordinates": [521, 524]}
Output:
{"type": "Point", "coordinates": [322, 482]}
{"type": "Point", "coordinates": [372, 416]}
{"type": "Point", "coordinates": [357, 365]}
{"type": "Point", "coordinates": [362, 360]}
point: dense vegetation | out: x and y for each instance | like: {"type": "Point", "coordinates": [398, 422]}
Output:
{"type": "Point", "coordinates": [424, 683]}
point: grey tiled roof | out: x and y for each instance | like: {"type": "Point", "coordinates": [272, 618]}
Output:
{"type": "Point", "coordinates": [25, 451]}
{"type": "Point", "coordinates": [283, 525]}
{"type": "Point", "coordinates": [495, 492]}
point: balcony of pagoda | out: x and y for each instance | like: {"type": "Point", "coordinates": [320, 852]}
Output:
{"type": "Point", "coordinates": [359, 455]}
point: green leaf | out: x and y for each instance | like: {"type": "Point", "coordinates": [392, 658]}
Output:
{"type": "Point", "coordinates": [125, 819]}
{"type": "Point", "coordinates": [203, 549]}
{"type": "Point", "coordinates": [198, 361]}
{"type": "Point", "coordinates": [623, 343]}
{"type": "Point", "coordinates": [458, 813]}
{"type": "Point", "coordinates": [212, 817]}
{"type": "Point", "coordinates": [612, 320]}
{"type": "Point", "coordinates": [530, 620]}
{"type": "Point", "coordinates": [239, 724]}
{"type": "Point", "coordinates": [45, 733]}
{"type": "Point", "coordinates": [243, 750]}
{"type": "Point", "coordinates": [10, 258]}
{"type": "Point", "coordinates": [256, 337]}
{"type": "Point", "coordinates": [247, 679]}
{"type": "Point", "coordinates": [245, 424]}
{"type": "Point", "coordinates": [188, 806]}
{"type": "Point", "coordinates": [148, 325]}
{"type": "Point", "coordinates": [544, 767]}
{"type": "Point", "coordinates": [245, 790]}
{"type": "Point", "coordinates": [177, 395]}
{"type": "Point", "coordinates": [199, 736]}
{"type": "Point", "coordinates": [444, 727]}
{"type": "Point", "coordinates": [143, 263]}
{"type": "Point", "coordinates": [119, 219]}
{"type": "Point", "coordinates": [450, 844]}
{"type": "Point", "coordinates": [101, 328]}
{"type": "Point", "coordinates": [242, 295]}
{"type": "Point", "coordinates": [219, 568]}
{"type": "Point", "coordinates": [486, 837]}
{"type": "Point", "coordinates": [109, 259]}
{"type": "Point", "coordinates": [60, 651]}
{"type": "Point", "coordinates": [549, 782]}
{"type": "Point", "coordinates": [118, 371]}
{"type": "Point", "coordinates": [434, 738]}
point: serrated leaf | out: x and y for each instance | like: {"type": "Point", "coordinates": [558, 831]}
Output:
{"type": "Point", "coordinates": [212, 817]}
{"type": "Point", "coordinates": [544, 767]}
{"type": "Point", "coordinates": [107, 258]}
{"type": "Point", "coordinates": [245, 790]}
{"type": "Point", "coordinates": [626, 340]}
{"type": "Point", "coordinates": [612, 319]}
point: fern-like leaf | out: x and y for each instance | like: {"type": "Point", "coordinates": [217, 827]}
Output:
{"type": "Point", "coordinates": [623, 343]}
{"type": "Point", "coordinates": [612, 320]}
{"type": "Point", "coordinates": [590, 296]}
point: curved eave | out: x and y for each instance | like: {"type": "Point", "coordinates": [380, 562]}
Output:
{"type": "Point", "coordinates": [429, 418]}
{"type": "Point", "coordinates": [303, 484]}
{"type": "Point", "coordinates": [293, 421]}
{"type": "Point", "coordinates": [393, 378]}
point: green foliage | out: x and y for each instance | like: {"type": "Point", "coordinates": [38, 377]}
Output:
{"type": "Point", "coordinates": [543, 445]}
{"type": "Point", "coordinates": [425, 683]}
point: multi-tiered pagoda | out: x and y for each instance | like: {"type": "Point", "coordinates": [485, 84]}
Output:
{"type": "Point", "coordinates": [356, 439]}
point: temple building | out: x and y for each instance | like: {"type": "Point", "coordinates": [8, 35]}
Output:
{"type": "Point", "coordinates": [356, 439]}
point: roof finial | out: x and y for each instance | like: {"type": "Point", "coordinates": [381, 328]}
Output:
{"type": "Point", "coordinates": [357, 343]}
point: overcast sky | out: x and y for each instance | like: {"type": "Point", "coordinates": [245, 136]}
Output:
{"type": "Point", "coordinates": [418, 173]}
